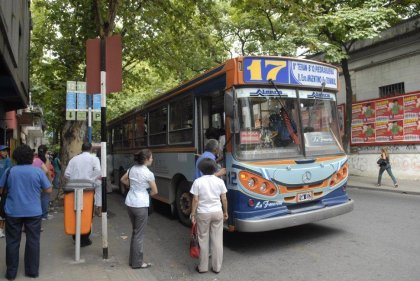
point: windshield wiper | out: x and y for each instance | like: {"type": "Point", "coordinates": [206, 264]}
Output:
{"type": "Point", "coordinates": [286, 116]}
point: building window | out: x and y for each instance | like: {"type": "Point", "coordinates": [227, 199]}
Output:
{"type": "Point", "coordinates": [392, 90]}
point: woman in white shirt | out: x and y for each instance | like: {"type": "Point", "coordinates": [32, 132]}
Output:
{"type": "Point", "coordinates": [209, 193]}
{"type": "Point", "coordinates": [139, 179]}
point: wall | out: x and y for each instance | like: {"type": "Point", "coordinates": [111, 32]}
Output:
{"type": "Point", "coordinates": [405, 161]}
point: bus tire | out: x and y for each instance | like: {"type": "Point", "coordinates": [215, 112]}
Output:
{"type": "Point", "coordinates": [183, 203]}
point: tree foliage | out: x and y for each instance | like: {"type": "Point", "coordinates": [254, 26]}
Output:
{"type": "Point", "coordinates": [164, 43]}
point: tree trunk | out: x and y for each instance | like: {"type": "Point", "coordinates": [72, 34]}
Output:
{"type": "Point", "coordinates": [73, 135]}
{"type": "Point", "coordinates": [349, 102]}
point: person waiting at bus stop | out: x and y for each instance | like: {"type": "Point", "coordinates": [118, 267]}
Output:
{"type": "Point", "coordinates": [210, 151]}
{"type": "Point", "coordinates": [24, 184]}
{"type": "Point", "coordinates": [209, 196]}
{"type": "Point", "coordinates": [84, 167]}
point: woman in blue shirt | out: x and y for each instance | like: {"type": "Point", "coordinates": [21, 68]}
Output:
{"type": "Point", "coordinates": [23, 209]}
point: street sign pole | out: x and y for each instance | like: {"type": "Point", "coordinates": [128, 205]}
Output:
{"type": "Point", "coordinates": [89, 100]}
{"type": "Point", "coordinates": [103, 152]}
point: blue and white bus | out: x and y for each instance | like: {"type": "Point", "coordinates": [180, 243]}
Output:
{"type": "Point", "coordinates": [284, 159]}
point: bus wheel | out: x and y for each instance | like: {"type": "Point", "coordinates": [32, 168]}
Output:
{"type": "Point", "coordinates": [183, 203]}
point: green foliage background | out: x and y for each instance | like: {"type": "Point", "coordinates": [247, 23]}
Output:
{"type": "Point", "coordinates": [166, 42]}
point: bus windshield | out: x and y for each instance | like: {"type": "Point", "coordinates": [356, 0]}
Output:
{"type": "Point", "coordinates": [270, 127]}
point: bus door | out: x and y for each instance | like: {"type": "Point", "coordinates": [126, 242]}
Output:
{"type": "Point", "coordinates": [211, 119]}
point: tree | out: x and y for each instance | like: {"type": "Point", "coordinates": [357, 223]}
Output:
{"type": "Point", "coordinates": [336, 25]}
{"type": "Point", "coordinates": [164, 42]}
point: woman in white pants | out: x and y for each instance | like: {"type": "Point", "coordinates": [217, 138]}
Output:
{"type": "Point", "coordinates": [209, 193]}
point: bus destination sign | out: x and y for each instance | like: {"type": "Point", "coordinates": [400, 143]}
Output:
{"type": "Point", "coordinates": [290, 72]}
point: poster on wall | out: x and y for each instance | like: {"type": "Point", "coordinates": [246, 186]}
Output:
{"type": "Point", "coordinates": [412, 106]}
{"type": "Point", "coordinates": [389, 109]}
{"type": "Point", "coordinates": [363, 133]}
{"type": "Point", "coordinates": [363, 113]}
{"type": "Point", "coordinates": [389, 131]}
{"type": "Point", "coordinates": [390, 120]}
{"type": "Point", "coordinates": [412, 129]}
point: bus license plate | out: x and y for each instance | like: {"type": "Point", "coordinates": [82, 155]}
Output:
{"type": "Point", "coordinates": [303, 197]}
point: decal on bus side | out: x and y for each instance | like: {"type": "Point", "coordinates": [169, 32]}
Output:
{"type": "Point", "coordinates": [232, 178]}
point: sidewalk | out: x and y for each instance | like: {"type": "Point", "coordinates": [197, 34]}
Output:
{"type": "Point", "coordinates": [404, 186]}
{"type": "Point", "coordinates": [57, 250]}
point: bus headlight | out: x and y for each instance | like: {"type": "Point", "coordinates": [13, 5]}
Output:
{"type": "Point", "coordinates": [263, 187]}
{"type": "Point", "coordinates": [257, 184]}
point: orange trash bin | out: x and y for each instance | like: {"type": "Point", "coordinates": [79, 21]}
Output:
{"type": "Point", "coordinates": [69, 207]}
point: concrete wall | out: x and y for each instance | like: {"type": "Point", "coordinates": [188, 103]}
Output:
{"type": "Point", "coordinates": [405, 161]}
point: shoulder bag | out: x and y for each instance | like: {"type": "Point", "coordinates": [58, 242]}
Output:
{"type": "Point", "coordinates": [4, 195]}
{"type": "Point", "coordinates": [381, 162]}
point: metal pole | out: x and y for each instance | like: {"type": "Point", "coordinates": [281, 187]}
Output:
{"type": "Point", "coordinates": [103, 152]}
{"type": "Point", "coordinates": [78, 206]}
{"type": "Point", "coordinates": [90, 100]}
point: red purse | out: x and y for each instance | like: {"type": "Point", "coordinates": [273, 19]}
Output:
{"type": "Point", "coordinates": [194, 246]}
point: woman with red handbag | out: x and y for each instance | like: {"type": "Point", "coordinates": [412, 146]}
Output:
{"type": "Point", "coordinates": [209, 193]}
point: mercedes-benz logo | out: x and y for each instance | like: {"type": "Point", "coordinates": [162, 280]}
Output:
{"type": "Point", "coordinates": [306, 177]}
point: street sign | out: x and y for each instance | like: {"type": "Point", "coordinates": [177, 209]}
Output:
{"type": "Point", "coordinates": [71, 101]}
{"type": "Point", "coordinates": [81, 87]}
{"type": "Point", "coordinates": [71, 86]}
{"type": "Point", "coordinates": [96, 102]}
{"type": "Point", "coordinates": [96, 116]}
{"type": "Point", "coordinates": [81, 115]}
{"type": "Point", "coordinates": [70, 115]}
{"type": "Point", "coordinates": [81, 101]}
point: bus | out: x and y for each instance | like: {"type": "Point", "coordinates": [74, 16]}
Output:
{"type": "Point", "coordinates": [283, 155]}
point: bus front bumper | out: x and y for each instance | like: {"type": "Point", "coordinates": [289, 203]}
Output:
{"type": "Point", "coordinates": [292, 219]}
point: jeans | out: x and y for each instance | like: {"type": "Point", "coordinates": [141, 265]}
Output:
{"type": "Point", "coordinates": [32, 246]}
{"type": "Point", "coordinates": [389, 171]}
{"type": "Point", "coordinates": [45, 202]}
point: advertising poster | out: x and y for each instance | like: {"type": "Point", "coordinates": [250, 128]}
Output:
{"type": "Point", "coordinates": [412, 106]}
{"type": "Point", "coordinates": [397, 120]}
{"type": "Point", "coordinates": [412, 129]}
{"type": "Point", "coordinates": [363, 133]}
{"type": "Point", "coordinates": [390, 131]}
{"type": "Point", "coordinates": [363, 113]}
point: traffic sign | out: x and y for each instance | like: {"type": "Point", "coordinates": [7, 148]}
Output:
{"type": "Point", "coordinates": [70, 115]}
{"type": "Point", "coordinates": [81, 101]}
{"type": "Point", "coordinates": [96, 116]}
{"type": "Point", "coordinates": [81, 115]}
{"type": "Point", "coordinates": [70, 101]}
{"type": "Point", "coordinates": [71, 86]}
{"type": "Point", "coordinates": [97, 102]}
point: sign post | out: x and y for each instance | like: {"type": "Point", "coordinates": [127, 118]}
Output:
{"type": "Point", "coordinates": [104, 74]}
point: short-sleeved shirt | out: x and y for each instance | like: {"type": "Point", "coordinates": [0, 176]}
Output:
{"type": "Point", "coordinates": [139, 178]}
{"type": "Point", "coordinates": [24, 187]}
{"type": "Point", "coordinates": [5, 163]}
{"type": "Point", "coordinates": [206, 154]}
{"type": "Point", "coordinates": [208, 188]}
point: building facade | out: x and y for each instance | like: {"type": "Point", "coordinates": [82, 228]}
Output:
{"type": "Point", "coordinates": [387, 66]}
{"type": "Point", "coordinates": [19, 123]}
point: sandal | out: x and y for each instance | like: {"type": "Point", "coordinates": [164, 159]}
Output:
{"type": "Point", "coordinates": [144, 265]}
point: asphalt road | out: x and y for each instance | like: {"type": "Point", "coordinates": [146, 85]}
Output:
{"type": "Point", "coordinates": [379, 240]}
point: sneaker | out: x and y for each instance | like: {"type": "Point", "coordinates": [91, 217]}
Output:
{"type": "Point", "coordinates": [1, 233]}
{"type": "Point", "coordinates": [396, 185]}
{"type": "Point", "coordinates": [378, 184]}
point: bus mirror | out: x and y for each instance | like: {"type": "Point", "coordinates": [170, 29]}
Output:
{"type": "Point", "coordinates": [229, 104]}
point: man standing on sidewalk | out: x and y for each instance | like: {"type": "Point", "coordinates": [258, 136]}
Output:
{"type": "Point", "coordinates": [84, 166]}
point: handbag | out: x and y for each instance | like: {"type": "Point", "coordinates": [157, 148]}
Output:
{"type": "Point", "coordinates": [194, 246]}
{"type": "Point", "coordinates": [381, 162]}
{"type": "Point", "coordinates": [4, 196]}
